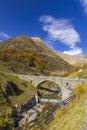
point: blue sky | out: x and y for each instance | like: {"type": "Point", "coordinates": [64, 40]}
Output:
{"type": "Point", "coordinates": [62, 24]}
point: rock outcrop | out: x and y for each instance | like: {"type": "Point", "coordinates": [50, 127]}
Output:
{"type": "Point", "coordinates": [10, 89]}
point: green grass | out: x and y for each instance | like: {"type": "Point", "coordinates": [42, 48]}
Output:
{"type": "Point", "coordinates": [3, 67]}
{"type": "Point", "coordinates": [46, 84]}
{"type": "Point", "coordinates": [82, 74]}
{"type": "Point", "coordinates": [50, 96]}
{"type": "Point", "coordinates": [76, 73]}
{"type": "Point", "coordinates": [27, 91]}
{"type": "Point", "coordinates": [72, 118]}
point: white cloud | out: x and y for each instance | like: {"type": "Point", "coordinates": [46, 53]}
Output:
{"type": "Point", "coordinates": [74, 51]}
{"type": "Point", "coordinates": [3, 36]}
{"type": "Point", "coordinates": [61, 30]}
{"type": "Point", "coordinates": [84, 4]}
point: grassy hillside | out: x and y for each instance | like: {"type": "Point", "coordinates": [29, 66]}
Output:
{"type": "Point", "coordinates": [80, 71]}
{"type": "Point", "coordinates": [28, 55]}
{"type": "Point", "coordinates": [73, 116]}
{"type": "Point", "coordinates": [43, 47]}
{"type": "Point", "coordinates": [27, 90]}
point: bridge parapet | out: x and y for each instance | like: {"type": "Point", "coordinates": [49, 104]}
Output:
{"type": "Point", "coordinates": [62, 82]}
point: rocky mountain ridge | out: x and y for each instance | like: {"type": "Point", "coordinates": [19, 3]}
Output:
{"type": "Point", "coordinates": [26, 55]}
{"type": "Point", "coordinates": [74, 60]}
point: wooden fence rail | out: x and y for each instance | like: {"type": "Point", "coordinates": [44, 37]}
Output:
{"type": "Point", "coordinates": [48, 116]}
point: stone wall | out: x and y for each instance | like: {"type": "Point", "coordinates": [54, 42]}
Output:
{"type": "Point", "coordinates": [62, 82]}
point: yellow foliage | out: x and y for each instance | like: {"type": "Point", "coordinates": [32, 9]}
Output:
{"type": "Point", "coordinates": [59, 113]}
{"type": "Point", "coordinates": [5, 122]}
{"type": "Point", "coordinates": [10, 49]}
{"type": "Point", "coordinates": [79, 89]}
{"type": "Point", "coordinates": [29, 59]}
{"type": "Point", "coordinates": [84, 66]}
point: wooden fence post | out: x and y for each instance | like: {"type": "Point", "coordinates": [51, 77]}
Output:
{"type": "Point", "coordinates": [84, 126]}
{"type": "Point", "coordinates": [86, 106]}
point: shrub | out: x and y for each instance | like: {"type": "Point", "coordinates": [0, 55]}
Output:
{"type": "Point", "coordinates": [84, 66]}
{"type": "Point", "coordinates": [79, 89]}
{"type": "Point", "coordinates": [5, 123]}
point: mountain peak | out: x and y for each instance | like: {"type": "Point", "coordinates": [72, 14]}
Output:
{"type": "Point", "coordinates": [37, 39]}
{"type": "Point", "coordinates": [21, 37]}
{"type": "Point", "coordinates": [31, 52]}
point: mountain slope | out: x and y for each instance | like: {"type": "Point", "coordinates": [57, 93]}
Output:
{"type": "Point", "coordinates": [75, 60]}
{"type": "Point", "coordinates": [30, 55]}
{"type": "Point", "coordinates": [80, 71]}
{"type": "Point", "coordinates": [12, 89]}
{"type": "Point", "coordinates": [42, 47]}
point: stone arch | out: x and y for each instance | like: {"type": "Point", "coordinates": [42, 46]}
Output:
{"type": "Point", "coordinates": [51, 86]}
{"type": "Point", "coordinates": [51, 81]}
{"type": "Point", "coordinates": [41, 82]}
